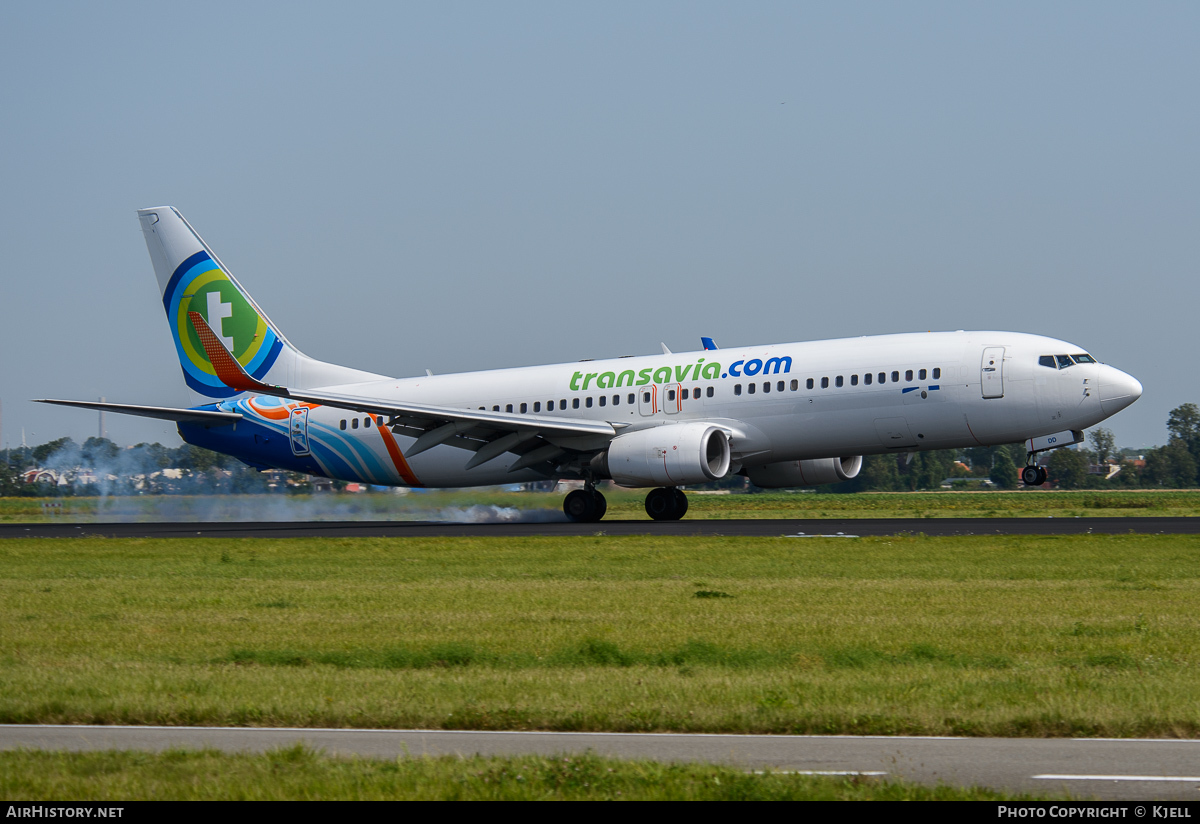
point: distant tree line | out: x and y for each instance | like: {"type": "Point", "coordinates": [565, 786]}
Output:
{"type": "Point", "coordinates": [1174, 466]}
{"type": "Point", "coordinates": [100, 467]}
{"type": "Point", "coordinates": [137, 470]}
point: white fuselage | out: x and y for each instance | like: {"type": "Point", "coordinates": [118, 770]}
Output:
{"type": "Point", "coordinates": [782, 402]}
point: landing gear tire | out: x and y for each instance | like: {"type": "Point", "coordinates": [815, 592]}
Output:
{"type": "Point", "coordinates": [585, 506]}
{"type": "Point", "coordinates": [1033, 475]}
{"type": "Point", "coordinates": [601, 505]}
{"type": "Point", "coordinates": [681, 503]}
{"type": "Point", "coordinates": [666, 504]}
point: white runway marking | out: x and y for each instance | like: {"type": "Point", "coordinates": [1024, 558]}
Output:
{"type": "Point", "coordinates": [803, 535]}
{"type": "Point", "coordinates": [1119, 777]}
{"type": "Point", "coordinates": [819, 772]}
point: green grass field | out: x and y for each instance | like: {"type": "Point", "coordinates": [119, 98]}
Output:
{"type": "Point", "coordinates": [623, 504]}
{"type": "Point", "coordinates": [297, 773]}
{"type": "Point", "coordinates": [1047, 636]}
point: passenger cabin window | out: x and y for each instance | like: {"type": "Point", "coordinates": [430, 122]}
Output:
{"type": "Point", "coordinates": [838, 381]}
{"type": "Point", "coordinates": [524, 408]}
{"type": "Point", "coordinates": [908, 375]}
{"type": "Point", "coordinates": [824, 383]}
{"type": "Point", "coordinates": [537, 406]}
{"type": "Point", "coordinates": [354, 423]}
{"type": "Point", "coordinates": [766, 386]}
{"type": "Point", "coordinates": [616, 400]}
{"type": "Point", "coordinates": [684, 394]}
{"type": "Point", "coordinates": [854, 380]}
{"type": "Point", "coordinates": [670, 394]}
{"type": "Point", "coordinates": [631, 399]}
{"type": "Point", "coordinates": [645, 397]}
{"type": "Point", "coordinates": [750, 387]}
{"type": "Point", "coordinates": [895, 377]}
{"type": "Point", "coordinates": [574, 403]}
{"type": "Point", "coordinates": [737, 389]}
{"type": "Point", "coordinates": [562, 403]}
{"type": "Point", "coordinates": [937, 372]}
{"type": "Point", "coordinates": [883, 377]}
{"type": "Point", "coordinates": [496, 408]}
{"type": "Point", "coordinates": [708, 392]}
{"type": "Point", "coordinates": [867, 379]}
{"type": "Point", "coordinates": [603, 400]}
{"type": "Point", "coordinates": [366, 423]}
{"type": "Point", "coordinates": [779, 386]}
{"type": "Point", "coordinates": [588, 403]}
{"type": "Point", "coordinates": [809, 383]}
{"type": "Point", "coordinates": [795, 386]}
{"type": "Point", "coordinates": [549, 406]}
{"type": "Point", "coordinates": [343, 424]}
{"type": "Point", "coordinates": [508, 408]}
{"type": "Point", "coordinates": [921, 375]}
{"type": "Point", "coordinates": [696, 393]}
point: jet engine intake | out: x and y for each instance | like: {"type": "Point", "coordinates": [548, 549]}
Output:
{"type": "Point", "coordinates": [672, 455]}
{"type": "Point", "coordinates": [804, 473]}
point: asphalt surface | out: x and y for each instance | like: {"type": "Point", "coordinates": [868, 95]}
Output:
{"type": "Point", "coordinates": [745, 527]}
{"type": "Point", "coordinates": [1125, 769]}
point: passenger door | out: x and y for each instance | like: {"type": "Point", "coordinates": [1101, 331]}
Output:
{"type": "Point", "coordinates": [298, 430]}
{"type": "Point", "coordinates": [991, 376]}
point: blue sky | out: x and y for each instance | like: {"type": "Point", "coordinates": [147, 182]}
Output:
{"type": "Point", "coordinates": [462, 186]}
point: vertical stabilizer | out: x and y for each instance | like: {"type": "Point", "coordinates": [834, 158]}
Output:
{"type": "Point", "coordinates": [191, 278]}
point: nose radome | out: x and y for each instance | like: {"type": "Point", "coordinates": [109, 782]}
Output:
{"type": "Point", "coordinates": [1117, 389]}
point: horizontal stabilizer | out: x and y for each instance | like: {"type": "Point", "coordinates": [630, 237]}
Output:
{"type": "Point", "coordinates": [165, 413]}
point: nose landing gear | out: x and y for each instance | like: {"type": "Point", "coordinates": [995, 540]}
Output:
{"type": "Point", "coordinates": [585, 506]}
{"type": "Point", "coordinates": [666, 504]}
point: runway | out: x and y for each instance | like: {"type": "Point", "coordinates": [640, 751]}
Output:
{"type": "Point", "coordinates": [733, 528]}
{"type": "Point", "coordinates": [1129, 769]}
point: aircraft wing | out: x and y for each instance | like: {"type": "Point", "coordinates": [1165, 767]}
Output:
{"type": "Point", "coordinates": [536, 438]}
{"type": "Point", "coordinates": [165, 413]}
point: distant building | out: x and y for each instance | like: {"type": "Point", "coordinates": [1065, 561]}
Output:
{"type": "Point", "coordinates": [1108, 469]}
{"type": "Point", "coordinates": [42, 476]}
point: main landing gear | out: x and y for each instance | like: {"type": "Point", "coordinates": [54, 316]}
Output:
{"type": "Point", "coordinates": [585, 506]}
{"type": "Point", "coordinates": [1033, 475]}
{"type": "Point", "coordinates": [666, 504]}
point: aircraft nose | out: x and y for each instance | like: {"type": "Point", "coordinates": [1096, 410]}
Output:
{"type": "Point", "coordinates": [1117, 389]}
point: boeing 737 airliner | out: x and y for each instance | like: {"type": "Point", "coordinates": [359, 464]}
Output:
{"type": "Point", "coordinates": [784, 415]}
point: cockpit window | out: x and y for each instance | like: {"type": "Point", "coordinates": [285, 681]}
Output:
{"type": "Point", "coordinates": [1083, 359]}
{"type": "Point", "coordinates": [1064, 361]}
{"type": "Point", "coordinates": [1047, 360]}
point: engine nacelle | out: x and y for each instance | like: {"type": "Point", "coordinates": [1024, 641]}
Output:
{"type": "Point", "coordinates": [671, 455]}
{"type": "Point", "coordinates": [804, 473]}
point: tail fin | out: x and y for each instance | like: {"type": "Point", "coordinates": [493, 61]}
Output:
{"type": "Point", "coordinates": [192, 279]}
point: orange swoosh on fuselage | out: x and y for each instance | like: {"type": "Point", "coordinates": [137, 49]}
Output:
{"type": "Point", "coordinates": [393, 449]}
